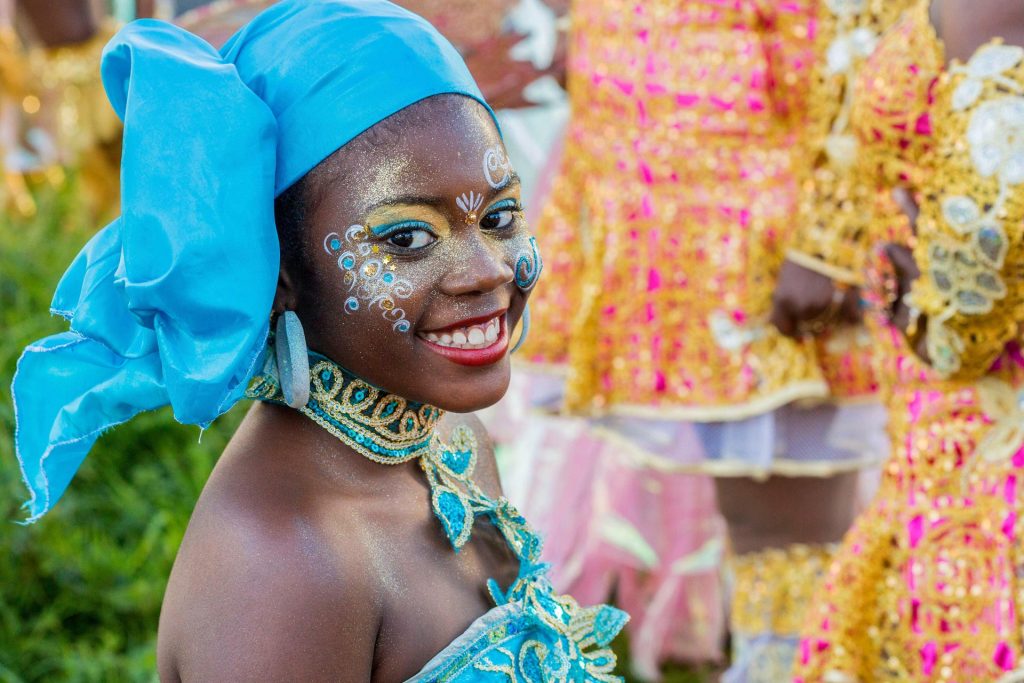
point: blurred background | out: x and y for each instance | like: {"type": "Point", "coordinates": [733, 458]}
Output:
{"type": "Point", "coordinates": [80, 590]}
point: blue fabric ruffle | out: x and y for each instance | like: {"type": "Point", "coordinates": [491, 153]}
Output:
{"type": "Point", "coordinates": [170, 303]}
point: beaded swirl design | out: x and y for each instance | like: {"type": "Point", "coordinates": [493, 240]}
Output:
{"type": "Point", "coordinates": [970, 235]}
{"type": "Point", "coordinates": [553, 638]}
{"type": "Point", "coordinates": [384, 427]}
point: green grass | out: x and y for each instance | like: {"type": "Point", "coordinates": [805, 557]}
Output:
{"type": "Point", "coordinates": [671, 674]}
{"type": "Point", "coordinates": [80, 590]}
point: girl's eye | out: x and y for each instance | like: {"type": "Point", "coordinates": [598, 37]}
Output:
{"type": "Point", "coordinates": [413, 238]}
{"type": "Point", "coordinates": [502, 217]}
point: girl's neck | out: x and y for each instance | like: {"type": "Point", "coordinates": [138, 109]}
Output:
{"type": "Point", "coordinates": [328, 462]}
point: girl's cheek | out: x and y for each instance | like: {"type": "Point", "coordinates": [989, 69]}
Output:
{"type": "Point", "coordinates": [526, 260]}
{"type": "Point", "coordinates": [371, 281]}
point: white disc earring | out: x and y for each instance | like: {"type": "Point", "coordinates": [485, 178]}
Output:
{"type": "Point", "coordinates": [292, 360]}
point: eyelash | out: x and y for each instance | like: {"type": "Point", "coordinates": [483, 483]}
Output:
{"type": "Point", "coordinates": [387, 232]}
{"type": "Point", "coordinates": [505, 205]}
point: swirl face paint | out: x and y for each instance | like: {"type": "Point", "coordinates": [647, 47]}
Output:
{"type": "Point", "coordinates": [497, 168]}
{"type": "Point", "coordinates": [369, 278]}
{"type": "Point", "coordinates": [528, 266]}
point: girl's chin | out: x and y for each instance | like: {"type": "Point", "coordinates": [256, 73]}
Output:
{"type": "Point", "coordinates": [471, 393]}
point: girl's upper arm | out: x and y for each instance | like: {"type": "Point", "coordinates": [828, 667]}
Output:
{"type": "Point", "coordinates": [268, 602]}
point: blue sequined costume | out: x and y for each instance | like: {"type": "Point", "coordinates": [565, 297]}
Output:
{"type": "Point", "coordinates": [532, 634]}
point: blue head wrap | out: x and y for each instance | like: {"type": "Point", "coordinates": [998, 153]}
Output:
{"type": "Point", "coordinates": [170, 303]}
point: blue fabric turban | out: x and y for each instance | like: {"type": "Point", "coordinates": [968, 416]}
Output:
{"type": "Point", "coordinates": [170, 303]}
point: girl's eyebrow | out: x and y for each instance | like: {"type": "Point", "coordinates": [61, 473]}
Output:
{"type": "Point", "coordinates": [513, 181]}
{"type": "Point", "coordinates": [435, 201]}
{"type": "Point", "coordinates": [407, 200]}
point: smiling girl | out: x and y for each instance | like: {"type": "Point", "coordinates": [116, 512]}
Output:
{"type": "Point", "coordinates": [332, 174]}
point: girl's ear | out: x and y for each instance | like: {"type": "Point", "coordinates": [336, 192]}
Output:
{"type": "Point", "coordinates": [286, 296]}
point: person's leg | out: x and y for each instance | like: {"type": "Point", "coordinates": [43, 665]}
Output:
{"type": "Point", "coordinates": [781, 511]}
{"type": "Point", "coordinates": [783, 532]}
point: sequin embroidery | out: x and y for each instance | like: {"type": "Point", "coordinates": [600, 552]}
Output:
{"type": "Point", "coordinates": [552, 638]}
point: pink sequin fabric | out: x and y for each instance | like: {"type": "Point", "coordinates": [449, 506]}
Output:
{"type": "Point", "coordinates": [926, 586]}
{"type": "Point", "coordinates": [667, 224]}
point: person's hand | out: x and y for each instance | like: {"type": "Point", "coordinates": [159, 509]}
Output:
{"type": "Point", "coordinates": [902, 259]}
{"type": "Point", "coordinates": [910, 322]}
{"type": "Point", "coordinates": [904, 198]}
{"type": "Point", "coordinates": [501, 78]}
{"type": "Point", "coordinates": [808, 303]}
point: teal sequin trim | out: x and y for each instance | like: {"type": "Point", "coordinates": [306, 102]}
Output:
{"type": "Point", "coordinates": [384, 427]}
{"type": "Point", "coordinates": [553, 639]}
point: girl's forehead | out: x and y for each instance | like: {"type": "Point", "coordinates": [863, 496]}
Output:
{"type": "Point", "coordinates": [459, 139]}
{"type": "Point", "coordinates": [442, 147]}
{"type": "Point", "coordinates": [450, 152]}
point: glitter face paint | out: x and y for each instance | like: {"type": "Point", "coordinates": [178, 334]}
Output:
{"type": "Point", "coordinates": [497, 168]}
{"type": "Point", "coordinates": [470, 203]}
{"type": "Point", "coordinates": [368, 277]}
{"type": "Point", "coordinates": [409, 291]}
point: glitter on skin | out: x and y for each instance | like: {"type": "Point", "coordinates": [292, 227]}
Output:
{"type": "Point", "coordinates": [464, 271]}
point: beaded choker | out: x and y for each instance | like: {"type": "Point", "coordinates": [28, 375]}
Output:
{"type": "Point", "coordinates": [383, 427]}
{"type": "Point", "coordinates": [390, 429]}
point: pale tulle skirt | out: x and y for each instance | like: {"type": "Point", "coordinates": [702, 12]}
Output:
{"type": "Point", "coordinates": [626, 504]}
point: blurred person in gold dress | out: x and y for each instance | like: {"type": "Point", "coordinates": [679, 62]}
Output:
{"type": "Point", "coordinates": [694, 153]}
{"type": "Point", "coordinates": [926, 585]}
{"type": "Point", "coordinates": [54, 114]}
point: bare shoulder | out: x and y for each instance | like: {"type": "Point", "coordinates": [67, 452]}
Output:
{"type": "Point", "coordinates": [263, 589]}
{"type": "Point", "coordinates": [486, 475]}
{"type": "Point", "coordinates": [966, 25]}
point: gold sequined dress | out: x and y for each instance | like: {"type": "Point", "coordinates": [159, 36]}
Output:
{"type": "Point", "coordinates": [668, 221]}
{"type": "Point", "coordinates": [925, 586]}
{"type": "Point", "coordinates": [691, 141]}
{"type": "Point", "coordinates": [667, 224]}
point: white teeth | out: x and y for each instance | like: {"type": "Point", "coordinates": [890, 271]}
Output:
{"type": "Point", "coordinates": [475, 337]}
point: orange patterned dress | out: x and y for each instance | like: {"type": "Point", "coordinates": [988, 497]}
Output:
{"type": "Point", "coordinates": [925, 586]}
{"type": "Point", "coordinates": [694, 134]}
{"type": "Point", "coordinates": [669, 219]}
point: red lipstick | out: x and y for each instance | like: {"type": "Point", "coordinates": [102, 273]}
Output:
{"type": "Point", "coordinates": [472, 357]}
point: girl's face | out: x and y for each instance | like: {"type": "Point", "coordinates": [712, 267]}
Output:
{"type": "Point", "coordinates": [418, 260]}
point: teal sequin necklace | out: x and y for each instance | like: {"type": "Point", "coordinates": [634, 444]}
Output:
{"type": "Point", "coordinates": [383, 427]}
{"type": "Point", "coordinates": [390, 430]}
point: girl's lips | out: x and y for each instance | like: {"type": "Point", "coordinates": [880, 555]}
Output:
{"type": "Point", "coordinates": [487, 355]}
